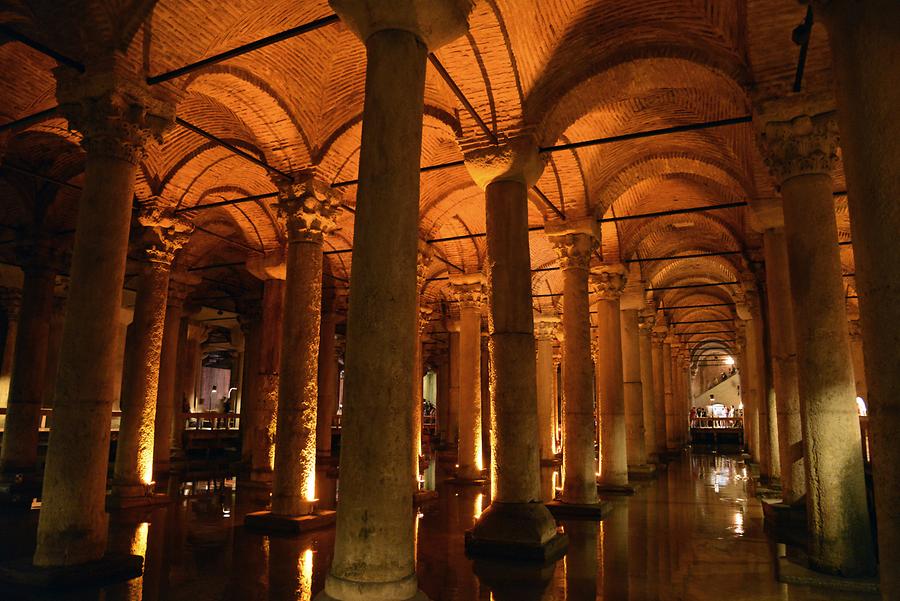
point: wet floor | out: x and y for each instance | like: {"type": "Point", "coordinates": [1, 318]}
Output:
{"type": "Point", "coordinates": [693, 534]}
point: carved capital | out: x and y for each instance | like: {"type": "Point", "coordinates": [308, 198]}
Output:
{"type": "Point", "coordinates": [546, 327]}
{"type": "Point", "coordinates": [164, 231]}
{"type": "Point", "coordinates": [434, 22]}
{"type": "Point", "coordinates": [424, 318]}
{"type": "Point", "coordinates": [515, 158]}
{"type": "Point", "coordinates": [608, 282]}
{"type": "Point", "coordinates": [307, 207]}
{"type": "Point", "coordinates": [646, 321]}
{"type": "Point", "coordinates": [468, 290]}
{"type": "Point", "coordinates": [805, 145]}
{"type": "Point", "coordinates": [424, 257]}
{"type": "Point", "coordinates": [574, 250]}
{"type": "Point", "coordinates": [113, 110]}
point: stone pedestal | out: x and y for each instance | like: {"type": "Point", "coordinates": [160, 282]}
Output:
{"type": "Point", "coordinates": [802, 153]}
{"type": "Point", "coordinates": [609, 283]}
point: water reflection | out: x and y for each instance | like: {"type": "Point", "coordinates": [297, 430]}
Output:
{"type": "Point", "coordinates": [693, 534]}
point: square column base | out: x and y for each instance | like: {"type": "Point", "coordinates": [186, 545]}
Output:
{"type": "Point", "coordinates": [615, 489]}
{"type": "Point", "coordinates": [323, 596]}
{"type": "Point", "coordinates": [121, 501]}
{"type": "Point", "coordinates": [645, 471]}
{"type": "Point", "coordinates": [106, 570]}
{"type": "Point", "coordinates": [791, 572]}
{"type": "Point", "coordinates": [423, 496]}
{"type": "Point", "coordinates": [466, 481]}
{"type": "Point", "coordinates": [266, 521]}
{"type": "Point", "coordinates": [579, 511]}
{"type": "Point", "coordinates": [518, 531]}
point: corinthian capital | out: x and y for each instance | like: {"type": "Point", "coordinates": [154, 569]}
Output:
{"type": "Point", "coordinates": [424, 318]}
{"type": "Point", "coordinates": [113, 109]}
{"type": "Point", "coordinates": [546, 327]}
{"type": "Point", "coordinates": [608, 282]}
{"type": "Point", "coordinates": [307, 207]}
{"type": "Point", "coordinates": [164, 231]}
{"type": "Point", "coordinates": [468, 290]}
{"type": "Point", "coordinates": [424, 257]}
{"type": "Point", "coordinates": [805, 145]}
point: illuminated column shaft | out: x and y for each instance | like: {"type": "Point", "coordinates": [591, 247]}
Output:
{"type": "Point", "coordinates": [307, 207]}
{"type": "Point", "coordinates": [166, 402]}
{"type": "Point", "coordinates": [328, 382]}
{"type": "Point", "coordinates": [262, 457]}
{"type": "Point", "coordinates": [544, 333]}
{"type": "Point", "coordinates": [609, 283]}
{"type": "Point", "coordinates": [803, 152]}
{"type": "Point", "coordinates": [634, 394]}
{"type": "Point", "coordinates": [672, 445]}
{"type": "Point", "coordinates": [648, 395]}
{"type": "Point", "coordinates": [659, 389]}
{"type": "Point", "coordinates": [469, 294]}
{"type": "Point", "coordinates": [12, 301]}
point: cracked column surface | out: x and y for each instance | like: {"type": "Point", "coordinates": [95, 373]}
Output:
{"type": "Point", "coordinates": [72, 524]}
{"type": "Point", "coordinates": [164, 234]}
{"type": "Point", "coordinates": [802, 151]}
{"type": "Point", "coordinates": [307, 208]}
{"type": "Point", "coordinates": [575, 249]}
{"type": "Point", "coordinates": [865, 47]}
{"type": "Point", "coordinates": [374, 554]}
{"type": "Point", "coordinates": [609, 283]}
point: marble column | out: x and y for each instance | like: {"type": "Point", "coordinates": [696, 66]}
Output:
{"type": "Point", "coordinates": [307, 207]}
{"type": "Point", "coordinates": [859, 361]}
{"type": "Point", "coordinates": [648, 395]}
{"type": "Point", "coordinates": [57, 321]}
{"type": "Point", "coordinates": [865, 50]}
{"type": "Point", "coordinates": [262, 454]}
{"type": "Point", "coordinates": [328, 383]}
{"type": "Point", "coordinates": [423, 318]}
{"type": "Point", "coordinates": [634, 393]}
{"type": "Point", "coordinates": [453, 390]}
{"type": "Point", "coordinates": [609, 283]}
{"type": "Point", "coordinates": [72, 525]}
{"type": "Point", "coordinates": [468, 291]}
{"type": "Point", "coordinates": [27, 389]}
{"type": "Point", "coordinates": [374, 553]}
{"type": "Point", "coordinates": [251, 326]}
{"type": "Point", "coordinates": [163, 234]}
{"type": "Point", "coordinates": [516, 522]}
{"type": "Point", "coordinates": [657, 336]}
{"type": "Point", "coordinates": [11, 298]}
{"type": "Point", "coordinates": [575, 244]}
{"type": "Point", "coordinates": [802, 155]}
{"type": "Point", "coordinates": [672, 445]}
{"type": "Point", "coordinates": [545, 327]}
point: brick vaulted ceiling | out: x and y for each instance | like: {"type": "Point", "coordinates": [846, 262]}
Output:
{"type": "Point", "coordinates": [567, 70]}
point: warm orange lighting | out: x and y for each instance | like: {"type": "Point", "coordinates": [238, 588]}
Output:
{"type": "Point", "coordinates": [304, 592]}
{"type": "Point", "coordinates": [478, 498]}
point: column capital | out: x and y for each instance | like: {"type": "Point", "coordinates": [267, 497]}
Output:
{"type": "Point", "coordinates": [514, 158]}
{"type": "Point", "coordinates": [546, 327]}
{"type": "Point", "coordinates": [164, 231]}
{"type": "Point", "coordinates": [113, 109]}
{"type": "Point", "coordinates": [434, 22]}
{"type": "Point", "coordinates": [424, 318]}
{"type": "Point", "coordinates": [306, 207]}
{"type": "Point", "coordinates": [574, 242]}
{"type": "Point", "coordinates": [269, 266]}
{"type": "Point", "coordinates": [806, 144]}
{"type": "Point", "coordinates": [424, 256]}
{"type": "Point", "coordinates": [468, 289]}
{"type": "Point", "coordinates": [608, 281]}
{"type": "Point", "coordinates": [646, 321]}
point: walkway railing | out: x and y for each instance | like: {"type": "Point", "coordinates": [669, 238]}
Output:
{"type": "Point", "coordinates": [211, 420]}
{"type": "Point", "coordinates": [717, 423]}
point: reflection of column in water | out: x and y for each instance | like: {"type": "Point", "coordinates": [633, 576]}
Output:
{"type": "Point", "coordinates": [156, 559]}
{"type": "Point", "coordinates": [515, 581]}
{"type": "Point", "coordinates": [661, 513]}
{"type": "Point", "coordinates": [290, 570]}
{"type": "Point", "coordinates": [581, 560]}
{"type": "Point", "coordinates": [131, 539]}
{"type": "Point", "coordinates": [638, 551]}
{"type": "Point", "coordinates": [614, 568]}
{"type": "Point", "coordinates": [250, 561]}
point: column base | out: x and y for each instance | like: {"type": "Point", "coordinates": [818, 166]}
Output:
{"type": "Point", "coordinates": [423, 496]}
{"type": "Point", "coordinates": [253, 483]}
{"type": "Point", "coordinates": [106, 570]}
{"type": "Point", "coordinates": [614, 489]}
{"type": "Point", "coordinates": [579, 511]}
{"type": "Point", "coordinates": [323, 596]}
{"type": "Point", "coordinates": [266, 521]}
{"type": "Point", "coordinates": [785, 523]}
{"type": "Point", "coordinates": [521, 531]}
{"type": "Point", "coordinates": [791, 572]}
{"type": "Point", "coordinates": [644, 471]}
{"type": "Point", "coordinates": [116, 500]}
{"type": "Point", "coordinates": [474, 480]}
{"type": "Point", "coordinates": [348, 590]}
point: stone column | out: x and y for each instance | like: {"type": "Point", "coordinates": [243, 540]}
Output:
{"type": "Point", "coordinates": [307, 207]}
{"type": "Point", "coordinates": [115, 115]}
{"type": "Point", "coordinates": [672, 445]}
{"type": "Point", "coordinates": [657, 336]}
{"type": "Point", "coordinates": [12, 302]}
{"type": "Point", "coordinates": [328, 382]}
{"type": "Point", "coordinates": [575, 244]}
{"type": "Point", "coordinates": [374, 543]}
{"type": "Point", "coordinates": [469, 294]}
{"type": "Point", "coordinates": [634, 394]}
{"type": "Point", "coordinates": [859, 362]}
{"type": "Point", "coordinates": [755, 383]}
{"type": "Point", "coordinates": [545, 327]}
{"type": "Point", "coordinates": [609, 283]}
{"type": "Point", "coordinates": [453, 375]}
{"type": "Point", "coordinates": [648, 395]}
{"type": "Point", "coordinates": [802, 155]}
{"type": "Point", "coordinates": [57, 321]}
{"type": "Point", "coordinates": [443, 399]}
{"type": "Point", "coordinates": [423, 318]}
{"type": "Point", "coordinates": [166, 401]}
{"type": "Point", "coordinates": [784, 363]}
{"type": "Point", "coordinates": [262, 454]}
{"type": "Point", "coordinates": [250, 321]}
{"type": "Point", "coordinates": [517, 521]}
{"type": "Point", "coordinates": [865, 51]}
{"type": "Point", "coordinates": [133, 472]}
{"type": "Point", "coordinates": [27, 381]}
{"type": "Point", "coordinates": [557, 384]}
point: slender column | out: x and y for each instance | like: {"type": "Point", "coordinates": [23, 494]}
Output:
{"type": "Point", "coordinates": [453, 374]}
{"type": "Point", "coordinates": [545, 328]}
{"type": "Point", "coordinates": [374, 554]}
{"type": "Point", "coordinates": [803, 152]}
{"type": "Point", "coordinates": [634, 394]}
{"type": "Point", "coordinates": [657, 337]}
{"type": "Point", "coordinates": [574, 249]}
{"type": "Point", "coordinates": [859, 362]}
{"type": "Point", "coordinates": [307, 208]}
{"type": "Point", "coordinates": [72, 524]}
{"type": "Point", "coordinates": [784, 364]}
{"type": "Point", "coordinates": [187, 372]}
{"type": "Point", "coordinates": [672, 445]}
{"type": "Point", "coordinates": [27, 382]}
{"type": "Point", "coordinates": [166, 401]}
{"type": "Point", "coordinates": [250, 321]}
{"type": "Point", "coordinates": [517, 518]}
{"type": "Point", "coordinates": [648, 396]}
{"type": "Point", "coordinates": [328, 381]}
{"type": "Point", "coordinates": [262, 455]}
{"type": "Point", "coordinates": [865, 49]}
{"type": "Point", "coordinates": [57, 321]}
{"type": "Point", "coordinates": [443, 394]}
{"type": "Point", "coordinates": [609, 283]}
{"type": "Point", "coordinates": [555, 408]}
{"type": "Point", "coordinates": [423, 317]}
{"type": "Point", "coordinates": [165, 234]}
{"type": "Point", "coordinates": [12, 303]}
{"type": "Point", "coordinates": [469, 294]}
